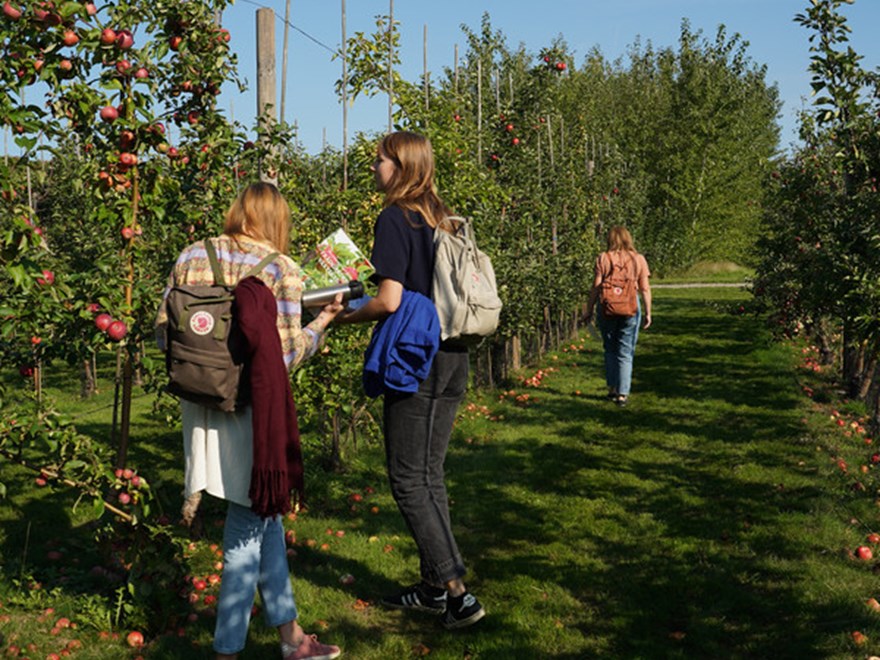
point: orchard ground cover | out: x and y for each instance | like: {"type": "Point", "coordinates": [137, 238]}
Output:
{"type": "Point", "coordinates": [719, 515]}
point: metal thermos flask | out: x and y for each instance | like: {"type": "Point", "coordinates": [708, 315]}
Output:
{"type": "Point", "coordinates": [324, 296]}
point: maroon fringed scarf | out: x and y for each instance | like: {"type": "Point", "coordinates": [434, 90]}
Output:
{"type": "Point", "coordinates": [278, 465]}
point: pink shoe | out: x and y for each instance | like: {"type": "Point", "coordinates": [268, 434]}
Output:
{"type": "Point", "coordinates": [311, 649]}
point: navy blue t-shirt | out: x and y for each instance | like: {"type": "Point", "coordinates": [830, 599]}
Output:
{"type": "Point", "coordinates": [403, 250]}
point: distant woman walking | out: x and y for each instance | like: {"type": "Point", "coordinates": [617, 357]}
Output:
{"type": "Point", "coordinates": [623, 273]}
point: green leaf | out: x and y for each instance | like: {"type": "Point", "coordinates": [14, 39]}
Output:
{"type": "Point", "coordinates": [26, 143]}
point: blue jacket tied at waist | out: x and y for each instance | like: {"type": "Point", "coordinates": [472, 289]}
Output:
{"type": "Point", "coordinates": [402, 347]}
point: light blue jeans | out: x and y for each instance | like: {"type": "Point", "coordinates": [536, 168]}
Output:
{"type": "Point", "coordinates": [619, 337]}
{"type": "Point", "coordinates": [254, 557]}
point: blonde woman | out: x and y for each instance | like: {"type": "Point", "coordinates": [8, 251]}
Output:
{"type": "Point", "coordinates": [224, 454]}
{"type": "Point", "coordinates": [620, 333]}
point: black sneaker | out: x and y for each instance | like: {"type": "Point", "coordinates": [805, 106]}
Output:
{"type": "Point", "coordinates": [462, 611]}
{"type": "Point", "coordinates": [420, 597]}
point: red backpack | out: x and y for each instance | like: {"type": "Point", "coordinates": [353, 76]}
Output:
{"type": "Point", "coordinates": [619, 294]}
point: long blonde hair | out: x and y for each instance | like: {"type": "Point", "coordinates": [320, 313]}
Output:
{"type": "Point", "coordinates": [412, 186]}
{"type": "Point", "coordinates": [260, 212]}
{"type": "Point", "coordinates": [620, 239]}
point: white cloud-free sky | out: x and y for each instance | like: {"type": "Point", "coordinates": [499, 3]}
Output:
{"type": "Point", "coordinates": [612, 26]}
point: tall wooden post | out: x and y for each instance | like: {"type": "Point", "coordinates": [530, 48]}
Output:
{"type": "Point", "coordinates": [390, 62]}
{"type": "Point", "coordinates": [344, 103]}
{"type": "Point", "coordinates": [282, 115]}
{"type": "Point", "coordinates": [480, 109]}
{"type": "Point", "coordinates": [266, 117]}
{"type": "Point", "coordinates": [455, 64]}
{"type": "Point", "coordinates": [425, 64]}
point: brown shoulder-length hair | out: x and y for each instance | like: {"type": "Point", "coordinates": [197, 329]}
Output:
{"type": "Point", "coordinates": [262, 213]}
{"type": "Point", "coordinates": [412, 186]}
{"type": "Point", "coordinates": [619, 239]}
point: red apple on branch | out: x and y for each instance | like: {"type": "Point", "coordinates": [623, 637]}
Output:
{"type": "Point", "coordinates": [11, 12]}
{"type": "Point", "coordinates": [141, 73]}
{"type": "Point", "coordinates": [126, 140]}
{"type": "Point", "coordinates": [103, 321]}
{"type": "Point", "coordinates": [70, 38]}
{"type": "Point", "coordinates": [47, 278]}
{"type": "Point", "coordinates": [117, 330]}
{"type": "Point", "coordinates": [124, 39]}
{"type": "Point", "coordinates": [109, 113]}
{"type": "Point", "coordinates": [174, 42]}
{"type": "Point", "coordinates": [108, 36]}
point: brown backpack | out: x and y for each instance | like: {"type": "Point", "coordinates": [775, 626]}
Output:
{"type": "Point", "coordinates": [204, 347]}
{"type": "Point", "coordinates": [619, 294]}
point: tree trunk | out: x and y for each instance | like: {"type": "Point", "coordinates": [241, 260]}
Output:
{"type": "Point", "coordinates": [867, 377]}
{"type": "Point", "coordinates": [336, 453]}
{"type": "Point", "coordinates": [88, 382]}
{"type": "Point", "coordinates": [823, 338]}
{"type": "Point", "coordinates": [853, 361]}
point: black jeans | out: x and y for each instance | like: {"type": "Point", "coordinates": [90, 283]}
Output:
{"type": "Point", "coordinates": [417, 431]}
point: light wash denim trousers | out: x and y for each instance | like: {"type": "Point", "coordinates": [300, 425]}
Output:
{"type": "Point", "coordinates": [417, 431]}
{"type": "Point", "coordinates": [619, 337]}
{"type": "Point", "coordinates": [254, 557]}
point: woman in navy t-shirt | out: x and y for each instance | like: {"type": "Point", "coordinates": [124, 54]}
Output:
{"type": "Point", "coordinates": [418, 426]}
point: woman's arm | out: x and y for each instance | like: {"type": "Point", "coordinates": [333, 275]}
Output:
{"type": "Point", "coordinates": [594, 292]}
{"type": "Point", "coordinates": [646, 297]}
{"type": "Point", "coordinates": [385, 302]}
{"type": "Point", "coordinates": [645, 290]}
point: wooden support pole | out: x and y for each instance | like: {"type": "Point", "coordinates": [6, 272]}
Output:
{"type": "Point", "coordinates": [480, 110]}
{"type": "Point", "coordinates": [425, 65]}
{"type": "Point", "coordinates": [344, 103]}
{"type": "Point", "coordinates": [497, 91]}
{"type": "Point", "coordinates": [455, 67]}
{"type": "Point", "coordinates": [266, 117]}
{"type": "Point", "coordinates": [282, 114]}
{"type": "Point", "coordinates": [390, 63]}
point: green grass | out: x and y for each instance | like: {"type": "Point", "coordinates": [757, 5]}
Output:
{"type": "Point", "coordinates": [713, 272]}
{"type": "Point", "coordinates": [705, 520]}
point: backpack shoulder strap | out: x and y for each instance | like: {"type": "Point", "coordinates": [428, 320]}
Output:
{"type": "Point", "coordinates": [215, 263]}
{"type": "Point", "coordinates": [258, 268]}
{"type": "Point", "coordinates": [218, 272]}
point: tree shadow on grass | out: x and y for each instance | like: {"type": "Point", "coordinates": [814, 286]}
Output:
{"type": "Point", "coordinates": [691, 566]}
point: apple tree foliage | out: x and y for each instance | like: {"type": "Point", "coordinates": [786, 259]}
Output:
{"type": "Point", "coordinates": [546, 155]}
{"type": "Point", "coordinates": [123, 158]}
{"type": "Point", "coordinates": [820, 267]}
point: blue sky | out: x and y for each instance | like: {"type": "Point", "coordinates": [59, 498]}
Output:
{"type": "Point", "coordinates": [612, 26]}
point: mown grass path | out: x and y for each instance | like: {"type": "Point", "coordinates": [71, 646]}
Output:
{"type": "Point", "coordinates": [705, 520]}
{"type": "Point", "coordinates": [698, 522]}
